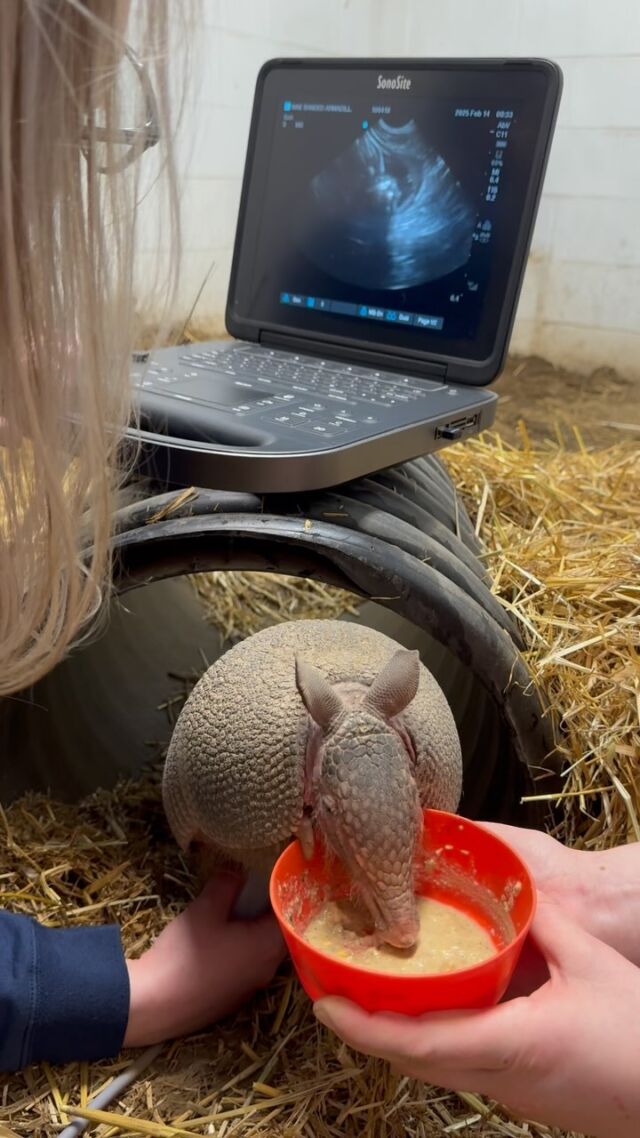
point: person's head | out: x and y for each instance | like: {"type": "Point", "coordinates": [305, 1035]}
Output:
{"type": "Point", "coordinates": [69, 90]}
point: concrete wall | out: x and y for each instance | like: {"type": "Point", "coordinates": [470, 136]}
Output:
{"type": "Point", "coordinates": [581, 300]}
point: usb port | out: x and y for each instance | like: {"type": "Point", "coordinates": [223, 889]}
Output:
{"type": "Point", "coordinates": [458, 427]}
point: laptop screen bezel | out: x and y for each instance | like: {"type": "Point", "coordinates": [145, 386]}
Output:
{"type": "Point", "coordinates": [459, 367]}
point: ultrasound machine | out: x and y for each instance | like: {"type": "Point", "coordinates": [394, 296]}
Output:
{"type": "Point", "coordinates": [386, 215]}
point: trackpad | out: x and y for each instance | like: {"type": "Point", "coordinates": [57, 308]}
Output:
{"type": "Point", "coordinates": [195, 422]}
{"type": "Point", "coordinates": [218, 390]}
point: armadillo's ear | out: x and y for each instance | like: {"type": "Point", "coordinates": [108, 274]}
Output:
{"type": "Point", "coordinates": [396, 685]}
{"type": "Point", "coordinates": [321, 700]}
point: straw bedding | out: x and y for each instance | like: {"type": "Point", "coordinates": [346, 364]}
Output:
{"type": "Point", "coordinates": [561, 530]}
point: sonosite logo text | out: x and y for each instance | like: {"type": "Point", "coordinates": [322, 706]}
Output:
{"type": "Point", "coordinates": [398, 83]}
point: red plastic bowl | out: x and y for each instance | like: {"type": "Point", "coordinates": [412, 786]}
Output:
{"type": "Point", "coordinates": [466, 866]}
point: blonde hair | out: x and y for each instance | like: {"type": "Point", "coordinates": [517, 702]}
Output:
{"type": "Point", "coordinates": [67, 239]}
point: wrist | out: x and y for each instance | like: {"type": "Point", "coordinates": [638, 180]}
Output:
{"type": "Point", "coordinates": [608, 895]}
{"type": "Point", "coordinates": [148, 1020]}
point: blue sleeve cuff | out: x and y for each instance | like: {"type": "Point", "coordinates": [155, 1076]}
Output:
{"type": "Point", "coordinates": [64, 993]}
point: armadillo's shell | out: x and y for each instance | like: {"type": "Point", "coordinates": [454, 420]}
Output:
{"type": "Point", "coordinates": [235, 767]}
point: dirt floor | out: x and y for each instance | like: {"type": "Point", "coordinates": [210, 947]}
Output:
{"type": "Point", "coordinates": [603, 405]}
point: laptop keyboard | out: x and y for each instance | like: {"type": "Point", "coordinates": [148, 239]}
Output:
{"type": "Point", "coordinates": [309, 375]}
{"type": "Point", "coordinates": [297, 393]}
{"type": "Point", "coordinates": [251, 365]}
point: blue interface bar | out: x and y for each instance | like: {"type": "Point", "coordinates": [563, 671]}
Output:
{"type": "Point", "coordinates": [364, 311]}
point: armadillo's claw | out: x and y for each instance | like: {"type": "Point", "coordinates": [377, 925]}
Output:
{"type": "Point", "coordinates": [306, 837]}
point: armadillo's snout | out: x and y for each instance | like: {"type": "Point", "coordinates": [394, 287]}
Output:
{"type": "Point", "coordinates": [401, 935]}
{"type": "Point", "coordinates": [395, 914]}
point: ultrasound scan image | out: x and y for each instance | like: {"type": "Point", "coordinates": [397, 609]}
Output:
{"type": "Point", "coordinates": [387, 213]}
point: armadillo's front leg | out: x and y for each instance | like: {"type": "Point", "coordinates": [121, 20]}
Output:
{"type": "Point", "coordinates": [256, 866]}
{"type": "Point", "coordinates": [254, 898]}
{"type": "Point", "coordinates": [306, 837]}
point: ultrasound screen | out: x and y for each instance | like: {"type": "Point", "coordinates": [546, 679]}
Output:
{"type": "Point", "coordinates": [388, 213]}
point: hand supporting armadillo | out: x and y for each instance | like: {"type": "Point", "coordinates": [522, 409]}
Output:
{"type": "Point", "coordinates": [324, 730]}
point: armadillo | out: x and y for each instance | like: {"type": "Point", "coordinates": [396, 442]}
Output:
{"type": "Point", "coordinates": [325, 730]}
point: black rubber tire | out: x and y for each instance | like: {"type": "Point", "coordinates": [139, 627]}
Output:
{"type": "Point", "coordinates": [379, 554]}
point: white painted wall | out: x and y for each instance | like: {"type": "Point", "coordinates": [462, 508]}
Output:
{"type": "Point", "coordinates": [581, 301]}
